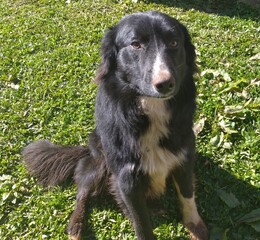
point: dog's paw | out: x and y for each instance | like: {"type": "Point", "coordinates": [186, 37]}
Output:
{"type": "Point", "coordinates": [198, 232]}
{"type": "Point", "coordinates": [75, 231]}
{"type": "Point", "coordinates": [74, 237]}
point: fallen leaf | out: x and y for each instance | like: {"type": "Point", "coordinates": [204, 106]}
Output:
{"type": "Point", "coordinates": [253, 216]}
{"type": "Point", "coordinates": [198, 127]}
{"type": "Point", "coordinates": [228, 198]}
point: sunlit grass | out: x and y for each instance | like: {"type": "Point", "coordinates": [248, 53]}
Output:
{"type": "Point", "coordinates": [49, 52]}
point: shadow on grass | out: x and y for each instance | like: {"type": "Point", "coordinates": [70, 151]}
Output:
{"type": "Point", "coordinates": [222, 213]}
{"type": "Point", "coordinates": [222, 219]}
{"type": "Point", "coordinates": [247, 9]}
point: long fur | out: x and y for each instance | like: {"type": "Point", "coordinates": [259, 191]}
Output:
{"type": "Point", "coordinates": [52, 164]}
{"type": "Point", "coordinates": [143, 136]}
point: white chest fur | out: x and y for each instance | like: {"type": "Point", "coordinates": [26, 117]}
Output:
{"type": "Point", "coordinates": [157, 161]}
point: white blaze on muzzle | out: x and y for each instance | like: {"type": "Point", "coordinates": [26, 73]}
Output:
{"type": "Point", "coordinates": [162, 79]}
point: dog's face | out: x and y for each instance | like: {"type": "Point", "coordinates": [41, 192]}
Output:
{"type": "Point", "coordinates": [149, 53]}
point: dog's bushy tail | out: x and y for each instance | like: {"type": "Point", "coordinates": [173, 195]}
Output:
{"type": "Point", "coordinates": [52, 164]}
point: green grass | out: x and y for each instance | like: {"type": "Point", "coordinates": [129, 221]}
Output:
{"type": "Point", "coordinates": [49, 52]}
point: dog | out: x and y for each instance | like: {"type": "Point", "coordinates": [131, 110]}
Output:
{"type": "Point", "coordinates": [143, 136]}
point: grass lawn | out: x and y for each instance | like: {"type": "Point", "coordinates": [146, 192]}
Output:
{"type": "Point", "coordinates": [49, 52]}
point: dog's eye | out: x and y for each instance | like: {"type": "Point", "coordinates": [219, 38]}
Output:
{"type": "Point", "coordinates": [136, 45]}
{"type": "Point", "coordinates": [174, 44]}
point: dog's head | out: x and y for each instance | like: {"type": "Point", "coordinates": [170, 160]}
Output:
{"type": "Point", "coordinates": [151, 53]}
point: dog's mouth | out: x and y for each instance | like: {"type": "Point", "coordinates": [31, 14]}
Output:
{"type": "Point", "coordinates": [156, 95]}
{"type": "Point", "coordinates": [170, 93]}
{"type": "Point", "coordinates": [166, 97]}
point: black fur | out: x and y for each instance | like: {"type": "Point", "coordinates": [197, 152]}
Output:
{"type": "Point", "coordinates": [144, 117]}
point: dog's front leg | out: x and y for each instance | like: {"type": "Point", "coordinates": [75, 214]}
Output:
{"type": "Point", "coordinates": [183, 180]}
{"type": "Point", "coordinates": [131, 190]}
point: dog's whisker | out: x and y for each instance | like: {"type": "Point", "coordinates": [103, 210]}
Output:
{"type": "Point", "coordinates": [181, 65]}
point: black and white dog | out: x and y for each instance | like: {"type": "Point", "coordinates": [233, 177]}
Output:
{"type": "Point", "coordinates": [143, 135]}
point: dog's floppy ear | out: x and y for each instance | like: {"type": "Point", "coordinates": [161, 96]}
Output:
{"type": "Point", "coordinates": [190, 50]}
{"type": "Point", "coordinates": [108, 55]}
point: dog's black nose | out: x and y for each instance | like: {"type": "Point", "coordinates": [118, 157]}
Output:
{"type": "Point", "coordinates": [164, 86]}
